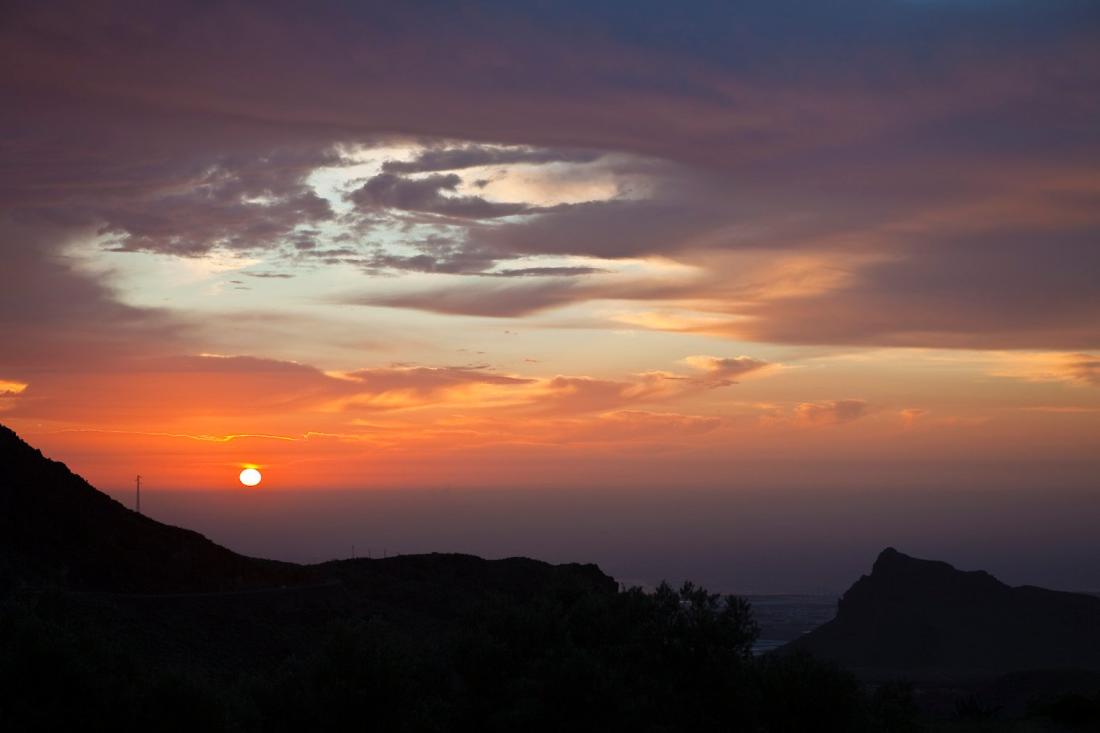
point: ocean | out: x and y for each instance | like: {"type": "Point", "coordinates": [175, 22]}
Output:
{"type": "Point", "coordinates": [783, 618]}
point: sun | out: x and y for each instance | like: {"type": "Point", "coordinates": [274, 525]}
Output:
{"type": "Point", "coordinates": [250, 477]}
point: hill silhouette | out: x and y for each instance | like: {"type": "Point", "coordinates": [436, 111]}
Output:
{"type": "Point", "coordinates": [108, 615]}
{"type": "Point", "coordinates": [57, 528]}
{"type": "Point", "coordinates": [924, 617]}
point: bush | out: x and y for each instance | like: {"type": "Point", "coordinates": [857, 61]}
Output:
{"type": "Point", "coordinates": [670, 660]}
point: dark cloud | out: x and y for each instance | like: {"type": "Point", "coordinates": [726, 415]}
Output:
{"type": "Point", "coordinates": [1013, 290]}
{"type": "Point", "coordinates": [609, 229]}
{"type": "Point", "coordinates": [424, 195]}
{"type": "Point", "coordinates": [435, 253]}
{"type": "Point", "coordinates": [470, 156]}
{"type": "Point", "coordinates": [233, 204]}
{"type": "Point", "coordinates": [270, 275]}
{"type": "Point", "coordinates": [514, 297]}
{"type": "Point", "coordinates": [547, 272]}
{"type": "Point", "coordinates": [52, 314]}
{"type": "Point", "coordinates": [497, 301]}
{"type": "Point", "coordinates": [1003, 286]}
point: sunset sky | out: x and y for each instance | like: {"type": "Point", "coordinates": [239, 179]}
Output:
{"type": "Point", "coordinates": [586, 246]}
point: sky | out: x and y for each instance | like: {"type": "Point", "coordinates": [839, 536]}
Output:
{"type": "Point", "coordinates": [575, 261]}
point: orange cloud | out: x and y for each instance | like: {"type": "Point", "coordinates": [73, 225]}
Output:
{"type": "Point", "coordinates": [833, 412]}
{"type": "Point", "coordinates": [722, 372]}
{"type": "Point", "coordinates": [9, 390]}
{"type": "Point", "coordinates": [1076, 368]}
{"type": "Point", "coordinates": [1084, 368]}
{"type": "Point", "coordinates": [910, 415]}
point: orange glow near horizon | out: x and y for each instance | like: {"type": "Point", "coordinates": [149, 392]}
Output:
{"type": "Point", "coordinates": [450, 426]}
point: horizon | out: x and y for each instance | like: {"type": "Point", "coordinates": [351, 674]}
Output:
{"type": "Point", "coordinates": [733, 293]}
{"type": "Point", "coordinates": [743, 549]}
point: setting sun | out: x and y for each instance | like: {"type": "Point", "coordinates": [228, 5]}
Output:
{"type": "Point", "coordinates": [250, 477]}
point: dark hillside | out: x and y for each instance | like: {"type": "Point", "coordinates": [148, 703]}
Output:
{"type": "Point", "coordinates": [56, 528]}
{"type": "Point", "coordinates": [925, 618]}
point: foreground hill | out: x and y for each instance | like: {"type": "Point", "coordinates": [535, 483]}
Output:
{"type": "Point", "coordinates": [56, 528]}
{"type": "Point", "coordinates": [926, 619]}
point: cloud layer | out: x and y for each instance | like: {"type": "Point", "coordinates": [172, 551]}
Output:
{"type": "Point", "coordinates": [599, 193]}
{"type": "Point", "coordinates": [948, 169]}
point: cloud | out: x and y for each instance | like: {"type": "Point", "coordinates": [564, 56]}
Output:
{"type": "Point", "coordinates": [423, 195]}
{"type": "Point", "coordinates": [10, 388]}
{"type": "Point", "coordinates": [724, 371]}
{"type": "Point", "coordinates": [911, 415]}
{"type": "Point", "coordinates": [166, 390]}
{"type": "Point", "coordinates": [229, 202]}
{"type": "Point", "coordinates": [933, 278]}
{"type": "Point", "coordinates": [491, 299]}
{"type": "Point", "coordinates": [269, 275]}
{"type": "Point", "coordinates": [1075, 368]}
{"type": "Point", "coordinates": [470, 156]}
{"type": "Point", "coordinates": [512, 297]}
{"type": "Point", "coordinates": [404, 376]}
{"type": "Point", "coordinates": [245, 389]}
{"type": "Point", "coordinates": [9, 391]}
{"type": "Point", "coordinates": [546, 272]}
{"type": "Point", "coordinates": [582, 394]}
{"type": "Point", "coordinates": [832, 412]}
{"type": "Point", "coordinates": [52, 313]}
{"type": "Point", "coordinates": [609, 229]}
{"type": "Point", "coordinates": [1063, 409]}
{"type": "Point", "coordinates": [205, 394]}
{"type": "Point", "coordinates": [435, 253]}
{"type": "Point", "coordinates": [646, 430]}
{"type": "Point", "coordinates": [992, 291]}
{"type": "Point", "coordinates": [1085, 368]}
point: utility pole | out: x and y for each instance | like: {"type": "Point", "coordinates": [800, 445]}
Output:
{"type": "Point", "coordinates": [139, 494]}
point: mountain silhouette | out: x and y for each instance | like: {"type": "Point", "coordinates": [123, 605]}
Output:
{"type": "Point", "coordinates": [923, 616]}
{"type": "Point", "coordinates": [57, 529]}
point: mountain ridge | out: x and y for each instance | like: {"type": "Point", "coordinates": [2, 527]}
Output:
{"type": "Point", "coordinates": [926, 617]}
{"type": "Point", "coordinates": [58, 530]}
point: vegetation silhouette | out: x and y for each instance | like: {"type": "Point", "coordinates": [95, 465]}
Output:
{"type": "Point", "coordinates": [669, 660]}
